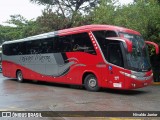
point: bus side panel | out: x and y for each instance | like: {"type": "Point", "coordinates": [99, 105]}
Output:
{"type": "Point", "coordinates": [81, 62]}
{"type": "Point", "coordinates": [10, 68]}
{"type": "Point", "coordinates": [6, 66]}
{"type": "Point", "coordinates": [27, 73]}
{"type": "Point", "coordinates": [84, 62]}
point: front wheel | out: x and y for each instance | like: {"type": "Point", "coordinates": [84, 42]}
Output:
{"type": "Point", "coordinates": [20, 76]}
{"type": "Point", "coordinates": [91, 83]}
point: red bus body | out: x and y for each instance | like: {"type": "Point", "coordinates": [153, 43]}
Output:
{"type": "Point", "coordinates": [79, 64]}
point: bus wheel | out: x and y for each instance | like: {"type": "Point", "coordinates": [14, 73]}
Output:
{"type": "Point", "coordinates": [19, 76]}
{"type": "Point", "coordinates": [91, 83]}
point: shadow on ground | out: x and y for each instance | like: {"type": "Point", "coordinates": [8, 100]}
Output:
{"type": "Point", "coordinates": [78, 87]}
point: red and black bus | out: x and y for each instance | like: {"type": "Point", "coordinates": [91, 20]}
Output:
{"type": "Point", "coordinates": [93, 55]}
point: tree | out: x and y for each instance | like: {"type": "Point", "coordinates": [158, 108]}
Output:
{"type": "Point", "coordinates": [143, 17]}
{"type": "Point", "coordinates": [147, 1]}
{"type": "Point", "coordinates": [17, 20]}
{"type": "Point", "coordinates": [69, 9]}
{"type": "Point", "coordinates": [140, 16]}
{"type": "Point", "coordinates": [18, 28]}
{"type": "Point", "coordinates": [105, 12]}
{"type": "Point", "coordinates": [50, 21]}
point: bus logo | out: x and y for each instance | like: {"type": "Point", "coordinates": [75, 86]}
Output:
{"type": "Point", "coordinates": [6, 114]}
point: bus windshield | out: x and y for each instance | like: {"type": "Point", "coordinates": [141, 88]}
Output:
{"type": "Point", "coordinates": [138, 59]}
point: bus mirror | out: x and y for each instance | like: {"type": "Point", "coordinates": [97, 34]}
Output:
{"type": "Point", "coordinates": [155, 45]}
{"type": "Point", "coordinates": [124, 40]}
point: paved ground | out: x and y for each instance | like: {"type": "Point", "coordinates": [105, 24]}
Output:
{"type": "Point", "coordinates": [31, 96]}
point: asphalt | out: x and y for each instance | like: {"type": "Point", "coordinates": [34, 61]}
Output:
{"type": "Point", "coordinates": [42, 96]}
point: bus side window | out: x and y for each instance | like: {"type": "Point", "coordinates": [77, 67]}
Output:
{"type": "Point", "coordinates": [110, 34]}
{"type": "Point", "coordinates": [5, 49]}
{"type": "Point", "coordinates": [28, 47]}
{"type": "Point", "coordinates": [14, 49]}
{"type": "Point", "coordinates": [75, 43]}
{"type": "Point", "coordinates": [9, 49]}
{"type": "Point", "coordinates": [21, 48]}
{"type": "Point", "coordinates": [115, 54]}
{"type": "Point", "coordinates": [64, 44]}
{"type": "Point", "coordinates": [101, 39]}
{"type": "Point", "coordinates": [82, 43]}
{"type": "Point", "coordinates": [56, 45]}
{"type": "Point", "coordinates": [46, 45]}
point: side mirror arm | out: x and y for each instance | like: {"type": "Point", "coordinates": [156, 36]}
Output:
{"type": "Point", "coordinates": [155, 45]}
{"type": "Point", "coordinates": [124, 40]}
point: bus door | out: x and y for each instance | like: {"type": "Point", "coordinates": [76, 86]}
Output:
{"type": "Point", "coordinates": [115, 64]}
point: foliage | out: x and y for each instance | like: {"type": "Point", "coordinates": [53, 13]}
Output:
{"type": "Point", "coordinates": [105, 12]}
{"type": "Point", "coordinates": [49, 21]}
{"type": "Point", "coordinates": [69, 9]}
{"type": "Point", "coordinates": [141, 16]}
{"type": "Point", "coordinates": [8, 33]}
{"type": "Point", "coordinates": [145, 18]}
{"type": "Point", "coordinates": [19, 28]}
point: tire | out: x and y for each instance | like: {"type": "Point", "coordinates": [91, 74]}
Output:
{"type": "Point", "coordinates": [19, 76]}
{"type": "Point", "coordinates": [91, 83]}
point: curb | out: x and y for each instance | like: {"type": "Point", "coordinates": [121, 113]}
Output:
{"type": "Point", "coordinates": [155, 83]}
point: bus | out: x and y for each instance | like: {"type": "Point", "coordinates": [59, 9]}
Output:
{"type": "Point", "coordinates": [0, 58]}
{"type": "Point", "coordinates": [94, 56]}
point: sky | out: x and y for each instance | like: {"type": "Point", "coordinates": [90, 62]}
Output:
{"type": "Point", "coordinates": [25, 8]}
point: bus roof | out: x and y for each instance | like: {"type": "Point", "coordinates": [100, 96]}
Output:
{"type": "Point", "coordinates": [75, 30]}
{"type": "Point", "coordinates": [35, 37]}
{"type": "Point", "coordinates": [95, 28]}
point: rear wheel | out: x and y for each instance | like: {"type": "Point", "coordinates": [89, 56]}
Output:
{"type": "Point", "coordinates": [20, 76]}
{"type": "Point", "coordinates": [91, 83]}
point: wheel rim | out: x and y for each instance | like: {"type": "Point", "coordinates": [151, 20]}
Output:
{"type": "Point", "coordinates": [92, 82]}
{"type": "Point", "coordinates": [20, 77]}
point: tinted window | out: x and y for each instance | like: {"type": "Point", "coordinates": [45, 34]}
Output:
{"type": "Point", "coordinates": [40, 46]}
{"type": "Point", "coordinates": [76, 43]}
{"type": "Point", "coordinates": [101, 39]}
{"type": "Point", "coordinates": [70, 43]}
{"type": "Point", "coordinates": [31, 47]}
{"type": "Point", "coordinates": [65, 44]}
{"type": "Point", "coordinates": [104, 34]}
{"type": "Point", "coordinates": [21, 48]}
{"type": "Point", "coordinates": [5, 48]}
{"type": "Point", "coordinates": [11, 49]}
{"type": "Point", "coordinates": [115, 54]}
{"type": "Point", "coordinates": [82, 42]}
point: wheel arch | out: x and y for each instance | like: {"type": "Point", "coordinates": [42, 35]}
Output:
{"type": "Point", "coordinates": [17, 71]}
{"type": "Point", "coordinates": [87, 73]}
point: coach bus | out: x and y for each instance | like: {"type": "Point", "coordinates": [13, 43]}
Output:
{"type": "Point", "coordinates": [0, 58]}
{"type": "Point", "coordinates": [94, 56]}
